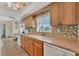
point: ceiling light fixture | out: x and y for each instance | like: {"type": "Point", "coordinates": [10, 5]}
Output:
{"type": "Point", "coordinates": [16, 5]}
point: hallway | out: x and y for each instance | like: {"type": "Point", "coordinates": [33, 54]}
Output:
{"type": "Point", "coordinates": [9, 47]}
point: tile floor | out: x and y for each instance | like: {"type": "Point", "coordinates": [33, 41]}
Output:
{"type": "Point", "coordinates": [8, 47]}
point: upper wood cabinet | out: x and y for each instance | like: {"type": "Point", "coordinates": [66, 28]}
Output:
{"type": "Point", "coordinates": [69, 13]}
{"type": "Point", "coordinates": [64, 13]}
{"type": "Point", "coordinates": [29, 21]}
{"type": "Point", "coordinates": [55, 13]}
{"type": "Point", "coordinates": [77, 12]}
{"type": "Point", "coordinates": [60, 10]}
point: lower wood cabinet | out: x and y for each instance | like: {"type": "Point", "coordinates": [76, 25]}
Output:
{"type": "Point", "coordinates": [22, 41]}
{"type": "Point", "coordinates": [33, 47]}
{"type": "Point", "coordinates": [29, 47]}
{"type": "Point", "coordinates": [38, 48]}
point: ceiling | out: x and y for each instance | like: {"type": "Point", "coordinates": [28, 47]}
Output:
{"type": "Point", "coordinates": [31, 7]}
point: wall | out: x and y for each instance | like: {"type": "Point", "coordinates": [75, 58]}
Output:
{"type": "Point", "coordinates": [2, 32]}
{"type": "Point", "coordinates": [16, 30]}
{"type": "Point", "coordinates": [9, 28]}
{"type": "Point", "coordinates": [16, 27]}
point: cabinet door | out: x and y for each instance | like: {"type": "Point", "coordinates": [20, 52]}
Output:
{"type": "Point", "coordinates": [26, 43]}
{"type": "Point", "coordinates": [38, 48]}
{"type": "Point", "coordinates": [33, 47]}
{"type": "Point", "coordinates": [22, 41]}
{"type": "Point", "coordinates": [69, 13]}
{"type": "Point", "coordinates": [77, 12]}
{"type": "Point", "coordinates": [30, 46]}
{"type": "Point", "coordinates": [29, 21]}
{"type": "Point", "coordinates": [60, 5]}
{"type": "Point", "coordinates": [55, 14]}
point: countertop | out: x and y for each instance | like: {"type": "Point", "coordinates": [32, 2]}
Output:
{"type": "Point", "coordinates": [69, 44]}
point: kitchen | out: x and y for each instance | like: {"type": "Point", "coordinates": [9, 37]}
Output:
{"type": "Point", "coordinates": [49, 29]}
{"type": "Point", "coordinates": [52, 30]}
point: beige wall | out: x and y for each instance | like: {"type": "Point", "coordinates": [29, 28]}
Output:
{"type": "Point", "coordinates": [16, 27]}
{"type": "Point", "coordinates": [9, 28]}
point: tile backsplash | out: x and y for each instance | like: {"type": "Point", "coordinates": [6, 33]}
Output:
{"type": "Point", "coordinates": [66, 30]}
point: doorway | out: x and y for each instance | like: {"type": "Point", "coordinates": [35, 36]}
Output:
{"type": "Point", "coordinates": [2, 30]}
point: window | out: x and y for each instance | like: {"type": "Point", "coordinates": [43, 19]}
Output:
{"type": "Point", "coordinates": [43, 22]}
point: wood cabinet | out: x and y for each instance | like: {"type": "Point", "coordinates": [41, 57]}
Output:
{"type": "Point", "coordinates": [27, 45]}
{"type": "Point", "coordinates": [29, 21]}
{"type": "Point", "coordinates": [77, 54]}
{"type": "Point", "coordinates": [77, 12]}
{"type": "Point", "coordinates": [69, 13]}
{"type": "Point", "coordinates": [35, 47]}
{"type": "Point", "coordinates": [22, 41]}
{"type": "Point", "coordinates": [32, 46]}
{"type": "Point", "coordinates": [64, 13]}
{"type": "Point", "coordinates": [38, 48]}
{"type": "Point", "coordinates": [55, 13]}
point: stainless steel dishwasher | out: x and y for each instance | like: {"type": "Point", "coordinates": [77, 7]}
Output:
{"type": "Point", "coordinates": [51, 50]}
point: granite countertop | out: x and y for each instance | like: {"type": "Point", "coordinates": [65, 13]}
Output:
{"type": "Point", "coordinates": [69, 44]}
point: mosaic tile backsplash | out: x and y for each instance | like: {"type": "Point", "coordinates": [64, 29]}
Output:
{"type": "Point", "coordinates": [66, 30]}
